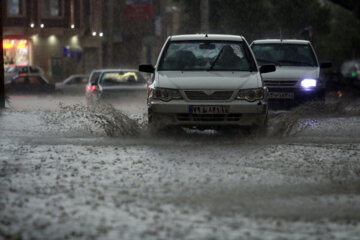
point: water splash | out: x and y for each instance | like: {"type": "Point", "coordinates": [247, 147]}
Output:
{"type": "Point", "coordinates": [290, 123]}
{"type": "Point", "coordinates": [81, 119]}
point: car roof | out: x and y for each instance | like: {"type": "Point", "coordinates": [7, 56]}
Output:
{"type": "Point", "coordinates": [77, 75]}
{"type": "Point", "coordinates": [114, 70]}
{"type": "Point", "coordinates": [206, 37]}
{"type": "Point", "coordinates": [289, 41]}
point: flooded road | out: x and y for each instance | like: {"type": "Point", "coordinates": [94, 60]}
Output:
{"type": "Point", "coordinates": [70, 172]}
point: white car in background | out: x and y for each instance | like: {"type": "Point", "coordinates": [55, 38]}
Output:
{"type": "Point", "coordinates": [207, 81]}
{"type": "Point", "coordinates": [74, 84]}
{"type": "Point", "coordinates": [297, 76]}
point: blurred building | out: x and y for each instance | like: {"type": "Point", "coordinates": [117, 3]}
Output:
{"type": "Point", "coordinates": [75, 36]}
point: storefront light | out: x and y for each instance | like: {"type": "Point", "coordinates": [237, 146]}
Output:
{"type": "Point", "coordinates": [101, 34]}
{"type": "Point", "coordinates": [94, 34]}
{"type": "Point", "coordinates": [32, 25]}
{"type": "Point", "coordinates": [72, 26]}
{"type": "Point", "coordinates": [42, 25]}
{"type": "Point", "coordinates": [22, 44]}
{"type": "Point", "coordinates": [8, 44]}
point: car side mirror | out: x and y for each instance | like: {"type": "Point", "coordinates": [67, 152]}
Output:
{"type": "Point", "coordinates": [267, 68]}
{"type": "Point", "coordinates": [147, 68]}
{"type": "Point", "coordinates": [326, 65]}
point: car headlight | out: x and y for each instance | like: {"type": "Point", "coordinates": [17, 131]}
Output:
{"type": "Point", "coordinates": [251, 95]}
{"type": "Point", "coordinates": [165, 94]}
{"type": "Point", "coordinates": [308, 83]}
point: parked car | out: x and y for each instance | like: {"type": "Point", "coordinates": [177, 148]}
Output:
{"type": "Point", "coordinates": [109, 83]}
{"type": "Point", "coordinates": [297, 76]}
{"type": "Point", "coordinates": [29, 84]}
{"type": "Point", "coordinates": [15, 70]}
{"type": "Point", "coordinates": [73, 84]}
{"type": "Point", "coordinates": [207, 81]}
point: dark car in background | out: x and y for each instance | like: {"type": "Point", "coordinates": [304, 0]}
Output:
{"type": "Point", "coordinates": [74, 84]}
{"type": "Point", "coordinates": [29, 84]}
{"type": "Point", "coordinates": [110, 83]}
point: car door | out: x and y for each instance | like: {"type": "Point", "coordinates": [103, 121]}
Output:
{"type": "Point", "coordinates": [38, 85]}
{"type": "Point", "coordinates": [76, 84]}
{"type": "Point", "coordinates": [18, 85]}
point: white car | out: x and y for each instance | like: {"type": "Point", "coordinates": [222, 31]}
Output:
{"type": "Point", "coordinates": [74, 84]}
{"type": "Point", "coordinates": [297, 76]}
{"type": "Point", "coordinates": [15, 70]}
{"type": "Point", "coordinates": [205, 81]}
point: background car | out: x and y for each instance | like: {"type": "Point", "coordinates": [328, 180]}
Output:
{"type": "Point", "coordinates": [112, 83]}
{"type": "Point", "coordinates": [15, 70]}
{"type": "Point", "coordinates": [29, 84]}
{"type": "Point", "coordinates": [297, 76]}
{"type": "Point", "coordinates": [73, 84]}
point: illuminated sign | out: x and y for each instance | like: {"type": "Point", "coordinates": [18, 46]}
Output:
{"type": "Point", "coordinates": [9, 44]}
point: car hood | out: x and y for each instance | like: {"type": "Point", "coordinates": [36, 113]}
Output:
{"type": "Point", "coordinates": [208, 80]}
{"type": "Point", "coordinates": [284, 72]}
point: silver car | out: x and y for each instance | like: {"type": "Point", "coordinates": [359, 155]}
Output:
{"type": "Point", "coordinates": [205, 81]}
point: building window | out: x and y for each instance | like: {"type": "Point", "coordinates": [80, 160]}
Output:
{"type": "Point", "coordinates": [52, 8]}
{"type": "Point", "coordinates": [15, 7]}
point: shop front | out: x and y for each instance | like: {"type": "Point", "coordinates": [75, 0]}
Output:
{"type": "Point", "coordinates": [17, 51]}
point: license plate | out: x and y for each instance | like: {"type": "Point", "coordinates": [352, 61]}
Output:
{"type": "Point", "coordinates": [281, 95]}
{"type": "Point", "coordinates": [209, 109]}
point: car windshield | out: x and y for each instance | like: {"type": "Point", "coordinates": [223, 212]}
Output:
{"type": "Point", "coordinates": [284, 54]}
{"type": "Point", "coordinates": [206, 56]}
{"type": "Point", "coordinates": [121, 77]}
{"type": "Point", "coordinates": [10, 69]}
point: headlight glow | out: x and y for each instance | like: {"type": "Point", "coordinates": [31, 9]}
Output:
{"type": "Point", "coordinates": [165, 94]}
{"type": "Point", "coordinates": [251, 95]}
{"type": "Point", "coordinates": [308, 83]}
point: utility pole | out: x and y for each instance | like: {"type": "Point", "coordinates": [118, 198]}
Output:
{"type": "Point", "coordinates": [2, 81]}
{"type": "Point", "coordinates": [110, 31]}
{"type": "Point", "coordinates": [204, 12]}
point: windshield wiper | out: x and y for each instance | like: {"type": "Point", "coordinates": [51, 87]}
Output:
{"type": "Point", "coordinates": [216, 59]}
{"type": "Point", "coordinates": [268, 61]}
{"type": "Point", "coordinates": [296, 62]}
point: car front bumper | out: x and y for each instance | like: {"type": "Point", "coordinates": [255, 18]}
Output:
{"type": "Point", "coordinates": [177, 112]}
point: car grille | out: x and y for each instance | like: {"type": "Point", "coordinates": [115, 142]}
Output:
{"type": "Point", "coordinates": [184, 117]}
{"type": "Point", "coordinates": [201, 95]}
{"type": "Point", "coordinates": [278, 83]}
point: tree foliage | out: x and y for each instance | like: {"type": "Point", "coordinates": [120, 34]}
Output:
{"type": "Point", "coordinates": [301, 19]}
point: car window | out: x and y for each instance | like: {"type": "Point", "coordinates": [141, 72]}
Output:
{"type": "Point", "coordinates": [34, 70]}
{"type": "Point", "coordinates": [35, 80]}
{"type": "Point", "coordinates": [206, 55]}
{"type": "Point", "coordinates": [84, 80]}
{"type": "Point", "coordinates": [121, 77]}
{"type": "Point", "coordinates": [282, 54]}
{"type": "Point", "coordinates": [78, 80]}
{"type": "Point", "coordinates": [11, 69]}
{"type": "Point", "coordinates": [94, 77]}
{"type": "Point", "coordinates": [23, 70]}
